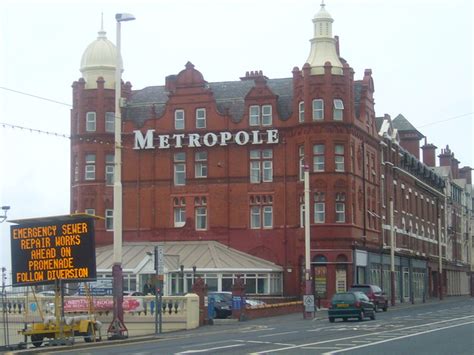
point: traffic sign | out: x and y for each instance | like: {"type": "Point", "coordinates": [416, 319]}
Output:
{"type": "Point", "coordinates": [308, 301]}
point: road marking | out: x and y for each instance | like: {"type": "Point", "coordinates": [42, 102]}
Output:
{"type": "Point", "coordinates": [360, 336]}
{"type": "Point", "coordinates": [362, 341]}
{"type": "Point", "coordinates": [257, 330]}
{"type": "Point", "coordinates": [392, 339]}
{"type": "Point", "coordinates": [275, 334]}
{"type": "Point", "coordinates": [209, 349]}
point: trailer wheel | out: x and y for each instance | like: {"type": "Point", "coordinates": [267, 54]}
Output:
{"type": "Point", "coordinates": [90, 334]}
{"type": "Point", "coordinates": [37, 339]}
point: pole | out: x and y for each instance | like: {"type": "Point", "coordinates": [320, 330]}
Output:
{"type": "Point", "coordinates": [157, 290]}
{"type": "Point", "coordinates": [117, 328]}
{"type": "Point", "coordinates": [4, 309]}
{"type": "Point", "coordinates": [440, 261]}
{"type": "Point", "coordinates": [308, 312]}
{"type": "Point", "coordinates": [392, 256]}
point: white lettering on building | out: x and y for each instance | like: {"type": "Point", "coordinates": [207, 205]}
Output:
{"type": "Point", "coordinates": [193, 140]}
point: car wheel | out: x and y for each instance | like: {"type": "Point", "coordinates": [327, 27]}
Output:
{"type": "Point", "coordinates": [331, 319]}
{"type": "Point", "coordinates": [362, 315]}
{"type": "Point", "coordinates": [345, 319]}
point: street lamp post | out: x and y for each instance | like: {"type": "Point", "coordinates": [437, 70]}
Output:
{"type": "Point", "coordinates": [308, 312]}
{"type": "Point", "coordinates": [4, 216]}
{"type": "Point", "coordinates": [117, 329]}
{"type": "Point", "coordinates": [392, 256]}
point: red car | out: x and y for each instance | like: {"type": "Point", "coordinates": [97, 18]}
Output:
{"type": "Point", "coordinates": [375, 294]}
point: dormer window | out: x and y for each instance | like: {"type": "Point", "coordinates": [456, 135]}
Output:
{"type": "Point", "coordinates": [179, 119]}
{"type": "Point", "coordinates": [338, 110]}
{"type": "Point", "coordinates": [318, 109]}
{"type": "Point", "coordinates": [260, 115]}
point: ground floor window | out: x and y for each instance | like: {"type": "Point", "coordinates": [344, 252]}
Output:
{"type": "Point", "coordinates": [261, 284]}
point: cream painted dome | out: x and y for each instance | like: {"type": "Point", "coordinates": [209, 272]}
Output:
{"type": "Point", "coordinates": [99, 60]}
{"type": "Point", "coordinates": [323, 45]}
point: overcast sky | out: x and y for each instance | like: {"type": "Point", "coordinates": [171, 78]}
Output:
{"type": "Point", "coordinates": [420, 53]}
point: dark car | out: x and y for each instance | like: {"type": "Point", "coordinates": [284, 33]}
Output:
{"type": "Point", "coordinates": [347, 305]}
{"type": "Point", "coordinates": [375, 294]}
{"type": "Point", "coordinates": [222, 304]}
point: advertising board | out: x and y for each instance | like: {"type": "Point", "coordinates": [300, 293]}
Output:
{"type": "Point", "coordinates": [44, 250]}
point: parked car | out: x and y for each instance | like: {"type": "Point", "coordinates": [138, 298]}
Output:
{"type": "Point", "coordinates": [347, 305]}
{"type": "Point", "coordinates": [375, 294]}
{"type": "Point", "coordinates": [254, 303]}
{"type": "Point", "coordinates": [222, 304]}
{"type": "Point", "coordinates": [133, 293]}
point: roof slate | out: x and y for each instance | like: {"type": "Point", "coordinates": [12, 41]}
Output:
{"type": "Point", "coordinates": [229, 96]}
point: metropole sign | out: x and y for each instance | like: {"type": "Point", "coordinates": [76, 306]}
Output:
{"type": "Point", "coordinates": [150, 140]}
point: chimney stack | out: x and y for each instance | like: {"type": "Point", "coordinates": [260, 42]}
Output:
{"type": "Point", "coordinates": [465, 173]}
{"type": "Point", "coordinates": [445, 157]}
{"type": "Point", "coordinates": [429, 154]}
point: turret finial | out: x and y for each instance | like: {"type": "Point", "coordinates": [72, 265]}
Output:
{"type": "Point", "coordinates": [102, 33]}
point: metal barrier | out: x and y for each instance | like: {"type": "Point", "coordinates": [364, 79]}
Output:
{"type": "Point", "coordinates": [22, 307]}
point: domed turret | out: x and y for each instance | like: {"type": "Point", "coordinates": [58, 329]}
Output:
{"type": "Point", "coordinates": [99, 60]}
{"type": "Point", "coordinates": [323, 45]}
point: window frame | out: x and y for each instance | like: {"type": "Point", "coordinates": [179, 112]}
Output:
{"type": "Point", "coordinates": [91, 121]}
{"type": "Point", "coordinates": [338, 110]}
{"type": "Point", "coordinates": [318, 112]}
{"type": "Point", "coordinates": [179, 163]}
{"type": "Point", "coordinates": [110, 124]}
{"type": "Point", "coordinates": [339, 159]}
{"type": "Point", "coordinates": [319, 155]}
{"type": "Point", "coordinates": [254, 117]}
{"type": "Point", "coordinates": [109, 219]}
{"type": "Point", "coordinates": [340, 207]}
{"type": "Point", "coordinates": [181, 221]}
{"type": "Point", "coordinates": [301, 162]}
{"type": "Point", "coordinates": [301, 112]}
{"type": "Point", "coordinates": [179, 119]}
{"type": "Point", "coordinates": [200, 217]}
{"type": "Point", "coordinates": [109, 169]}
{"type": "Point", "coordinates": [266, 117]}
{"type": "Point", "coordinates": [200, 165]}
{"type": "Point", "coordinates": [89, 167]}
{"type": "Point", "coordinates": [202, 119]}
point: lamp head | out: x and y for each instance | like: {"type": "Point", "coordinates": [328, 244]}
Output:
{"type": "Point", "coordinates": [124, 17]}
{"type": "Point", "coordinates": [5, 208]}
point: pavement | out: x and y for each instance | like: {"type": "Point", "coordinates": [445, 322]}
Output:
{"type": "Point", "coordinates": [320, 314]}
